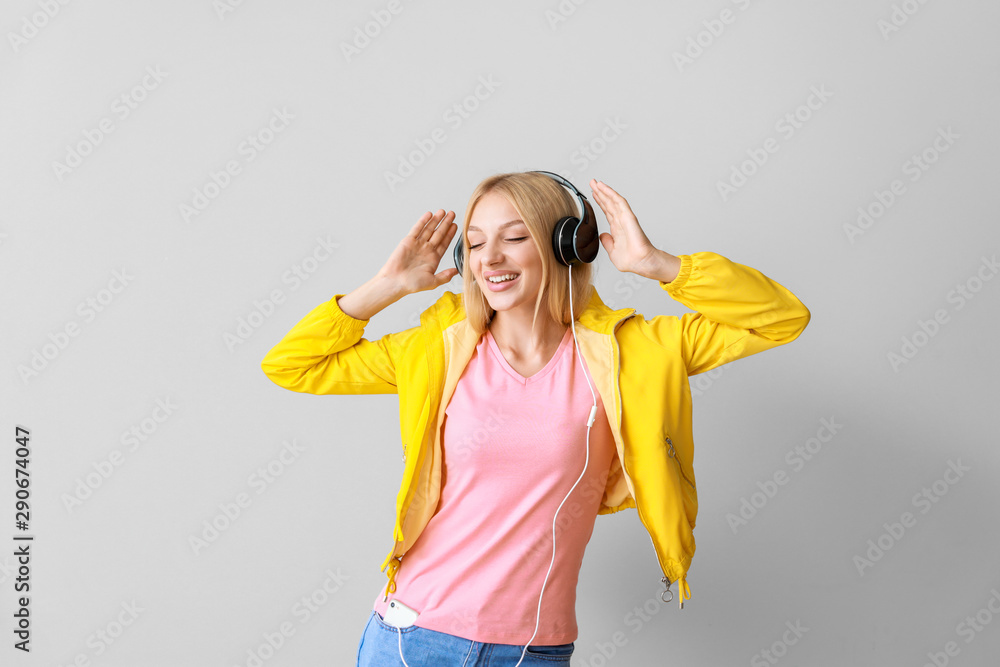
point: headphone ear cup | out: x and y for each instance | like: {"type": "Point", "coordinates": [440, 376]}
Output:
{"type": "Point", "coordinates": [457, 253]}
{"type": "Point", "coordinates": [588, 237]}
{"type": "Point", "coordinates": [562, 241]}
{"type": "Point", "coordinates": [575, 241]}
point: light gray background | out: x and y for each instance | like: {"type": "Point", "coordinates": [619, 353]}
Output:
{"type": "Point", "coordinates": [681, 130]}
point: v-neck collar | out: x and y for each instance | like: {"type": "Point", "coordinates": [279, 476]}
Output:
{"type": "Point", "coordinates": [567, 337]}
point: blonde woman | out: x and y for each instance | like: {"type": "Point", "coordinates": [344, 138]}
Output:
{"type": "Point", "coordinates": [527, 408]}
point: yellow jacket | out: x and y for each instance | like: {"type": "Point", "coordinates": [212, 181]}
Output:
{"type": "Point", "coordinates": [640, 367]}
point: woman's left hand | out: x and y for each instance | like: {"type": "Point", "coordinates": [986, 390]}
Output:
{"type": "Point", "coordinates": [626, 245]}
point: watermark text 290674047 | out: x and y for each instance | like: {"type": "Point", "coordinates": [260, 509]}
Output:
{"type": "Point", "coordinates": [23, 541]}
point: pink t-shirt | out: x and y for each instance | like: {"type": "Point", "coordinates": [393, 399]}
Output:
{"type": "Point", "coordinates": [513, 447]}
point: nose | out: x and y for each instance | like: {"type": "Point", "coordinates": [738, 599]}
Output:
{"type": "Point", "coordinates": [493, 254]}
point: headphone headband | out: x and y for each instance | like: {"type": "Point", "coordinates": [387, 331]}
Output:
{"type": "Point", "coordinates": [574, 239]}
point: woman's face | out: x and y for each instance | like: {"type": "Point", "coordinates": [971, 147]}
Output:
{"type": "Point", "coordinates": [498, 247]}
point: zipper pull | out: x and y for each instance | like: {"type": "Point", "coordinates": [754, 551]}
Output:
{"type": "Point", "coordinates": [666, 590]}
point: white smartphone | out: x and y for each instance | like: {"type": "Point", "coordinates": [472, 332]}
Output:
{"type": "Point", "coordinates": [399, 615]}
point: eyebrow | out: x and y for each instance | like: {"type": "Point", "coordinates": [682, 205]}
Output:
{"type": "Point", "coordinates": [503, 226]}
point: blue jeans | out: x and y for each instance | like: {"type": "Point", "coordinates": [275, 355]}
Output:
{"type": "Point", "coordinates": [380, 646]}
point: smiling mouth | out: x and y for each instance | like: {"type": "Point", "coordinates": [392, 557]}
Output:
{"type": "Point", "coordinates": [501, 282]}
{"type": "Point", "coordinates": [502, 286]}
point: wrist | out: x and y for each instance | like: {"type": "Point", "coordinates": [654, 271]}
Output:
{"type": "Point", "coordinates": [663, 266]}
{"type": "Point", "coordinates": [387, 287]}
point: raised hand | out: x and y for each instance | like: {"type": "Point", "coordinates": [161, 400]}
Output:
{"type": "Point", "coordinates": [626, 245]}
{"type": "Point", "coordinates": [415, 260]}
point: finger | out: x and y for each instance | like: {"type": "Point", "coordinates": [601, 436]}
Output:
{"type": "Point", "coordinates": [609, 210]}
{"type": "Point", "coordinates": [598, 197]}
{"type": "Point", "coordinates": [616, 202]}
{"type": "Point", "coordinates": [608, 195]}
{"type": "Point", "coordinates": [445, 231]}
{"type": "Point", "coordinates": [419, 225]}
{"type": "Point", "coordinates": [431, 226]}
{"type": "Point", "coordinates": [611, 195]}
{"type": "Point", "coordinates": [607, 189]}
{"type": "Point", "coordinates": [612, 198]}
{"type": "Point", "coordinates": [443, 222]}
{"type": "Point", "coordinates": [445, 276]}
{"type": "Point", "coordinates": [436, 219]}
{"type": "Point", "coordinates": [427, 225]}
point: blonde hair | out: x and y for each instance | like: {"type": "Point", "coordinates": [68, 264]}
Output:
{"type": "Point", "coordinates": [540, 202]}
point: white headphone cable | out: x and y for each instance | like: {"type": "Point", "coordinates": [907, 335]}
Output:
{"type": "Point", "coordinates": [590, 422]}
{"type": "Point", "coordinates": [400, 633]}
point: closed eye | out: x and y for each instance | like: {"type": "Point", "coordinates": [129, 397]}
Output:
{"type": "Point", "coordinates": [522, 238]}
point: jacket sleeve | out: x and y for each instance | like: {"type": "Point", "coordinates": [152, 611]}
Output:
{"type": "Point", "coordinates": [738, 312]}
{"type": "Point", "coordinates": [325, 354]}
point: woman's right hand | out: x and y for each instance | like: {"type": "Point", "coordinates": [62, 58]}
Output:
{"type": "Point", "coordinates": [413, 263]}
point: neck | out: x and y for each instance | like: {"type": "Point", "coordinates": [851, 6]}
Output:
{"type": "Point", "coordinates": [512, 329]}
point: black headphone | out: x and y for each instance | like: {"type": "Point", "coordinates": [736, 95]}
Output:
{"type": "Point", "coordinates": [574, 240]}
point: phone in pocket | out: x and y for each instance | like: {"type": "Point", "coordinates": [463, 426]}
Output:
{"type": "Point", "coordinates": [399, 615]}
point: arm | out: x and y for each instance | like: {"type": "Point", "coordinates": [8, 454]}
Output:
{"type": "Point", "coordinates": [325, 354]}
{"type": "Point", "coordinates": [739, 310]}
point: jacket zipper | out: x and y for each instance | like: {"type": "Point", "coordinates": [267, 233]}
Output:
{"type": "Point", "coordinates": [672, 453]}
{"type": "Point", "coordinates": [390, 586]}
{"type": "Point", "coordinates": [617, 370]}
{"type": "Point", "coordinates": [614, 340]}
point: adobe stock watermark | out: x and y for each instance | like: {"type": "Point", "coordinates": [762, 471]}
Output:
{"type": "Point", "coordinates": [365, 34]}
{"type": "Point", "coordinates": [914, 167]}
{"type": "Point", "coordinates": [699, 43]}
{"type": "Point", "coordinates": [101, 640]}
{"type": "Point", "coordinates": [455, 116]}
{"type": "Point", "coordinates": [786, 126]}
{"type": "Point", "coordinates": [463, 450]}
{"type": "Point", "coordinates": [960, 295]}
{"type": "Point", "coordinates": [924, 500]}
{"type": "Point", "coordinates": [968, 629]}
{"type": "Point", "coordinates": [224, 7]}
{"type": "Point", "coordinates": [796, 458]}
{"type": "Point", "coordinates": [899, 16]}
{"type": "Point", "coordinates": [132, 438]}
{"type": "Point", "coordinates": [303, 611]}
{"type": "Point", "coordinates": [704, 381]}
{"type": "Point", "coordinates": [248, 149]}
{"type": "Point", "coordinates": [563, 11]}
{"type": "Point", "coordinates": [8, 568]}
{"type": "Point", "coordinates": [230, 511]}
{"type": "Point", "coordinates": [88, 310]}
{"type": "Point", "coordinates": [637, 618]}
{"type": "Point", "coordinates": [33, 24]}
{"type": "Point", "coordinates": [779, 647]}
{"type": "Point", "coordinates": [630, 283]}
{"type": "Point", "coordinates": [294, 276]}
{"type": "Point", "coordinates": [582, 504]}
{"type": "Point", "coordinates": [586, 153]}
{"type": "Point", "coordinates": [121, 108]}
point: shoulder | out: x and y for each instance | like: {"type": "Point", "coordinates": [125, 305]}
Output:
{"type": "Point", "coordinates": [448, 309]}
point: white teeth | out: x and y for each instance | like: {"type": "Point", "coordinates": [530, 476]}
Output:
{"type": "Point", "coordinates": [500, 279]}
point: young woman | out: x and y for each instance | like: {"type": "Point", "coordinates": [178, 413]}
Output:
{"type": "Point", "coordinates": [499, 389]}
